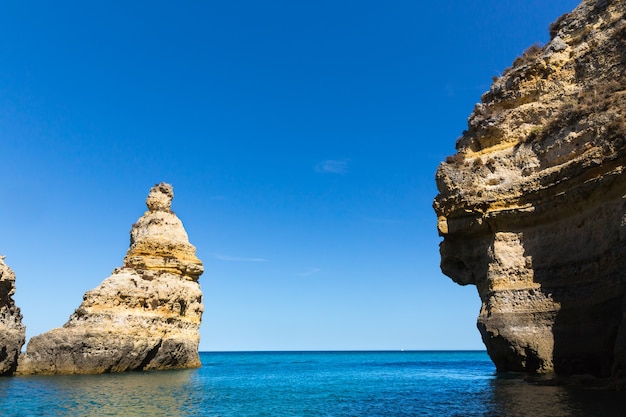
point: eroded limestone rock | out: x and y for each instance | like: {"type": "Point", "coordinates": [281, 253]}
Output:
{"type": "Point", "coordinates": [12, 331]}
{"type": "Point", "coordinates": [532, 209]}
{"type": "Point", "coordinates": [158, 241]}
{"type": "Point", "coordinates": [146, 315]}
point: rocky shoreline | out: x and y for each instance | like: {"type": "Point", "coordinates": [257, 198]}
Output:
{"type": "Point", "coordinates": [145, 316]}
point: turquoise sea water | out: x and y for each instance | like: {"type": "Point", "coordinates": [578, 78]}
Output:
{"type": "Point", "coordinates": [291, 384]}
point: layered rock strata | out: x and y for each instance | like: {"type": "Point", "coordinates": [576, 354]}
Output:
{"type": "Point", "coordinates": [12, 331]}
{"type": "Point", "coordinates": [532, 208]}
{"type": "Point", "coordinates": [145, 316]}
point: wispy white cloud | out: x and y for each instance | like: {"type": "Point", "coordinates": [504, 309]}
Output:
{"type": "Point", "coordinates": [332, 166]}
{"type": "Point", "coordinates": [237, 259]}
{"type": "Point", "coordinates": [309, 272]}
{"type": "Point", "coordinates": [450, 90]}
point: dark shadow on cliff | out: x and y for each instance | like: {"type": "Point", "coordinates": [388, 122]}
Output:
{"type": "Point", "coordinates": [578, 255]}
{"type": "Point", "coordinates": [574, 247]}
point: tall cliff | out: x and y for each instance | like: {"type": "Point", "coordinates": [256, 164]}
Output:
{"type": "Point", "coordinates": [146, 315]}
{"type": "Point", "coordinates": [12, 331]}
{"type": "Point", "coordinates": [532, 208]}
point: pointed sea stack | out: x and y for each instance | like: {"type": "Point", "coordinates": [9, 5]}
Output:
{"type": "Point", "coordinates": [12, 331]}
{"type": "Point", "coordinates": [145, 316]}
{"type": "Point", "coordinates": [532, 208]}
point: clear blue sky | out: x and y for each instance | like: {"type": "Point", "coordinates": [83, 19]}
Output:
{"type": "Point", "coordinates": [301, 138]}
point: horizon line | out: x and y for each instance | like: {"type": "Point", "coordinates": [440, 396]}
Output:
{"type": "Point", "coordinates": [341, 350]}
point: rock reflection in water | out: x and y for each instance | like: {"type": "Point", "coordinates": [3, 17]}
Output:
{"type": "Point", "coordinates": [512, 397]}
{"type": "Point", "coordinates": [126, 394]}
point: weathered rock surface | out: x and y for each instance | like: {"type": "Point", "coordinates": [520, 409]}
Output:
{"type": "Point", "coordinates": [146, 315]}
{"type": "Point", "coordinates": [12, 331]}
{"type": "Point", "coordinates": [532, 208]}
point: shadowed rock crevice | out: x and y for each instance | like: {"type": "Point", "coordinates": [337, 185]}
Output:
{"type": "Point", "coordinates": [150, 356]}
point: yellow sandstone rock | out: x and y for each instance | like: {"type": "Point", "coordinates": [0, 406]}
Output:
{"type": "Point", "coordinates": [12, 331]}
{"type": "Point", "coordinates": [532, 209]}
{"type": "Point", "coordinates": [146, 315]}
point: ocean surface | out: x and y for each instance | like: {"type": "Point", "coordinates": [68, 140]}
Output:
{"type": "Point", "coordinates": [293, 384]}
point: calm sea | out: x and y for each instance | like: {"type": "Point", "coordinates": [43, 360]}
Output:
{"type": "Point", "coordinates": [292, 384]}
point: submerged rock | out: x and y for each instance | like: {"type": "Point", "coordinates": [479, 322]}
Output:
{"type": "Point", "coordinates": [12, 331]}
{"type": "Point", "coordinates": [532, 209]}
{"type": "Point", "coordinates": [146, 315]}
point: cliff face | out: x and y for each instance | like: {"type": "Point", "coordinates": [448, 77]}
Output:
{"type": "Point", "coordinates": [532, 208]}
{"type": "Point", "coordinates": [146, 315]}
{"type": "Point", "coordinates": [12, 331]}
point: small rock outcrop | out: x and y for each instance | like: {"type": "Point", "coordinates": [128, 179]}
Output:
{"type": "Point", "coordinates": [532, 208]}
{"type": "Point", "coordinates": [145, 316]}
{"type": "Point", "coordinates": [12, 331]}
